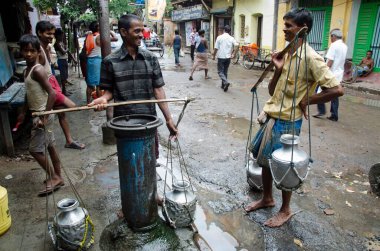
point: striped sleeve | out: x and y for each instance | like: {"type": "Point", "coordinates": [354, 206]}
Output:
{"type": "Point", "coordinates": [107, 80]}
{"type": "Point", "coordinates": [157, 79]}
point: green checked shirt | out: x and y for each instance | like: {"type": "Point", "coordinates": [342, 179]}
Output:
{"type": "Point", "coordinates": [131, 79]}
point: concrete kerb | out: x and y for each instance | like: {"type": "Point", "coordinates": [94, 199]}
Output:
{"type": "Point", "coordinates": [362, 88]}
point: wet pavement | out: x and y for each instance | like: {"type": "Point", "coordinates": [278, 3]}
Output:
{"type": "Point", "coordinates": [213, 136]}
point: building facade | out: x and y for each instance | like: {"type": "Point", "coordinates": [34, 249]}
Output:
{"type": "Point", "coordinates": [254, 22]}
{"type": "Point", "coordinates": [359, 21]}
{"type": "Point", "coordinates": [221, 15]}
{"type": "Point", "coordinates": [191, 14]}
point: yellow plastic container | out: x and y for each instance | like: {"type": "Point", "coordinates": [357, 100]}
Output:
{"type": "Point", "coordinates": [5, 216]}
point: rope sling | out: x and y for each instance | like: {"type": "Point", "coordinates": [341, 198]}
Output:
{"type": "Point", "coordinates": [182, 167]}
{"type": "Point", "coordinates": [291, 46]}
{"type": "Point", "coordinates": [298, 59]}
{"type": "Point", "coordinates": [88, 222]}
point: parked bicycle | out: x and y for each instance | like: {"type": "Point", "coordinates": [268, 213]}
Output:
{"type": "Point", "coordinates": [250, 54]}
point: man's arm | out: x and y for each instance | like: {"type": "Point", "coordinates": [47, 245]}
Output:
{"type": "Point", "coordinates": [330, 86]}
{"type": "Point", "coordinates": [58, 47]}
{"type": "Point", "coordinates": [100, 103]}
{"type": "Point", "coordinates": [330, 63]}
{"type": "Point", "coordinates": [371, 66]}
{"type": "Point", "coordinates": [107, 83]}
{"type": "Point", "coordinates": [214, 53]}
{"type": "Point", "coordinates": [234, 48]}
{"type": "Point", "coordinates": [273, 81]}
{"type": "Point", "coordinates": [278, 62]}
{"type": "Point", "coordinates": [325, 96]}
{"type": "Point", "coordinates": [159, 93]}
{"type": "Point", "coordinates": [113, 36]}
{"type": "Point", "coordinates": [72, 57]}
{"type": "Point", "coordinates": [97, 40]}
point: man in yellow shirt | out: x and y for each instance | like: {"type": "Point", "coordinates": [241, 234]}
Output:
{"type": "Point", "coordinates": [280, 115]}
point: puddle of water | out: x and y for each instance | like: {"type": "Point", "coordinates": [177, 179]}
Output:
{"type": "Point", "coordinates": [237, 127]}
{"type": "Point", "coordinates": [227, 231]}
{"type": "Point", "coordinates": [222, 231]}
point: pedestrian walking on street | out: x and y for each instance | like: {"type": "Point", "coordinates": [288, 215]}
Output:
{"type": "Point", "coordinates": [193, 39]}
{"type": "Point", "coordinates": [336, 56]}
{"type": "Point", "coordinates": [201, 57]}
{"type": "Point", "coordinates": [45, 32]}
{"type": "Point", "coordinates": [225, 48]}
{"type": "Point", "coordinates": [282, 117]}
{"type": "Point", "coordinates": [40, 97]}
{"type": "Point", "coordinates": [133, 73]}
{"type": "Point", "coordinates": [63, 54]}
{"type": "Point", "coordinates": [94, 59]}
{"type": "Point", "coordinates": [176, 44]}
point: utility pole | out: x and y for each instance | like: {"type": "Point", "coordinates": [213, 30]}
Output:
{"type": "Point", "coordinates": [146, 13]}
{"type": "Point", "coordinates": [104, 28]}
{"type": "Point", "coordinates": [275, 26]}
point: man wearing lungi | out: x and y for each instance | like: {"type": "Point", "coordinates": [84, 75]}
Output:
{"type": "Point", "coordinates": [277, 117]}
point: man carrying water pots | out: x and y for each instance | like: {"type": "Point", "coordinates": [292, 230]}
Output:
{"type": "Point", "coordinates": [282, 113]}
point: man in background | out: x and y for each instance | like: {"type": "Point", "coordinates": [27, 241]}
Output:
{"type": "Point", "coordinates": [336, 56]}
{"type": "Point", "coordinates": [366, 65]}
{"type": "Point", "coordinates": [225, 49]}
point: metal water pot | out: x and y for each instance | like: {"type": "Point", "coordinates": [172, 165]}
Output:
{"type": "Point", "coordinates": [289, 165]}
{"type": "Point", "coordinates": [179, 204]}
{"type": "Point", "coordinates": [254, 172]}
{"type": "Point", "coordinates": [72, 229]}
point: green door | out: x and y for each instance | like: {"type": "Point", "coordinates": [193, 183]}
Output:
{"type": "Point", "coordinates": [321, 12]}
{"type": "Point", "coordinates": [366, 34]}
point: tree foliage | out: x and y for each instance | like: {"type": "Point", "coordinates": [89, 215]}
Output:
{"type": "Point", "coordinates": [169, 8]}
{"type": "Point", "coordinates": [69, 9]}
{"type": "Point", "coordinates": [87, 17]}
{"type": "Point", "coordinates": [120, 7]}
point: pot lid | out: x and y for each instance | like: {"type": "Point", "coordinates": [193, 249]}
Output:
{"type": "Point", "coordinates": [135, 122]}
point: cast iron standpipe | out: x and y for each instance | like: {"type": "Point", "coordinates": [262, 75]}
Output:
{"type": "Point", "coordinates": [137, 168]}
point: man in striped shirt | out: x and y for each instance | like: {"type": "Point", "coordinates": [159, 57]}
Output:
{"type": "Point", "coordinates": [132, 73]}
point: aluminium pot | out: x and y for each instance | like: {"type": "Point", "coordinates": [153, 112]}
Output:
{"type": "Point", "coordinates": [180, 204]}
{"type": "Point", "coordinates": [72, 229]}
{"type": "Point", "coordinates": [289, 165]}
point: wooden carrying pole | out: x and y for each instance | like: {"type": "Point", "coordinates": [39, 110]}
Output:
{"type": "Point", "coordinates": [81, 108]}
{"type": "Point", "coordinates": [282, 53]}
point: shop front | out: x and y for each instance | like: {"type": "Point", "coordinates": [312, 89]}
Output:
{"type": "Point", "coordinates": [187, 18]}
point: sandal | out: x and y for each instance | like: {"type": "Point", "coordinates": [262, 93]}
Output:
{"type": "Point", "coordinates": [48, 189]}
{"type": "Point", "coordinates": [190, 78]}
{"type": "Point", "coordinates": [75, 145]}
{"type": "Point", "coordinates": [207, 77]}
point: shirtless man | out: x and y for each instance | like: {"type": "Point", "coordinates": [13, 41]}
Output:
{"type": "Point", "coordinates": [366, 65]}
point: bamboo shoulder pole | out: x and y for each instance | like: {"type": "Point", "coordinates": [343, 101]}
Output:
{"type": "Point", "coordinates": [82, 108]}
{"type": "Point", "coordinates": [300, 33]}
